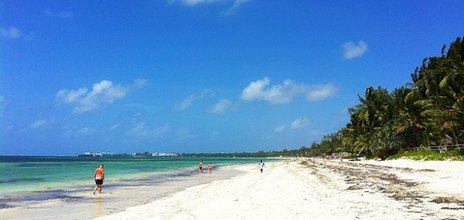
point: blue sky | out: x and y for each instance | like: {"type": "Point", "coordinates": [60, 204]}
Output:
{"type": "Point", "coordinates": [201, 75]}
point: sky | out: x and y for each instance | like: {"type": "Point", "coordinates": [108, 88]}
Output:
{"type": "Point", "coordinates": [201, 75]}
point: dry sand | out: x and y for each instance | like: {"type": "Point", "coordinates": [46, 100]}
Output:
{"type": "Point", "coordinates": [319, 189]}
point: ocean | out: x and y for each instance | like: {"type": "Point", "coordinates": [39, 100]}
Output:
{"type": "Point", "coordinates": [26, 181]}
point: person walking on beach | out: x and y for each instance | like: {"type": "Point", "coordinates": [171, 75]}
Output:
{"type": "Point", "coordinates": [99, 176]}
{"type": "Point", "coordinates": [261, 166]}
{"type": "Point", "coordinates": [210, 168]}
{"type": "Point", "coordinates": [200, 167]}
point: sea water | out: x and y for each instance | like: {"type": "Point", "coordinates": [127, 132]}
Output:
{"type": "Point", "coordinates": [28, 181]}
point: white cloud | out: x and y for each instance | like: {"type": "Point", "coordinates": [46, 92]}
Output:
{"type": "Point", "coordinates": [143, 131]}
{"type": "Point", "coordinates": [280, 128]}
{"type": "Point", "coordinates": [61, 14]}
{"type": "Point", "coordinates": [10, 33]}
{"type": "Point", "coordinates": [102, 93]}
{"type": "Point", "coordinates": [186, 103]}
{"type": "Point", "coordinates": [352, 50]}
{"type": "Point", "coordinates": [38, 123]}
{"type": "Point", "coordinates": [221, 106]}
{"type": "Point", "coordinates": [255, 90]}
{"type": "Point", "coordinates": [299, 123]}
{"type": "Point", "coordinates": [296, 124]}
{"type": "Point", "coordinates": [321, 92]}
{"type": "Point", "coordinates": [284, 92]}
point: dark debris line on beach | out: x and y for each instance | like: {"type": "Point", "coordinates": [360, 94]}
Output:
{"type": "Point", "coordinates": [374, 178]}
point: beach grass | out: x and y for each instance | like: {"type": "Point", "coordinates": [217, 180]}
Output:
{"type": "Point", "coordinates": [426, 154]}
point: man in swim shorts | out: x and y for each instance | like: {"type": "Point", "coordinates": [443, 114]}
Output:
{"type": "Point", "coordinates": [99, 176]}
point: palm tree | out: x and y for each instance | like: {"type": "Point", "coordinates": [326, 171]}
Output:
{"type": "Point", "coordinates": [439, 82]}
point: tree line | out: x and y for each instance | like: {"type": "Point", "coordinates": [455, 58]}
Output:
{"type": "Point", "coordinates": [427, 111]}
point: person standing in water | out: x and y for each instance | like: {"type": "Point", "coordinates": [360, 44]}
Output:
{"type": "Point", "coordinates": [261, 166]}
{"type": "Point", "coordinates": [99, 176]}
{"type": "Point", "coordinates": [200, 167]}
{"type": "Point", "coordinates": [210, 168]}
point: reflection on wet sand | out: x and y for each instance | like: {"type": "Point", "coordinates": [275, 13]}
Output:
{"type": "Point", "coordinates": [99, 209]}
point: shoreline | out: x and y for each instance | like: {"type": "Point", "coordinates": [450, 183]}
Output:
{"type": "Point", "coordinates": [308, 188]}
{"type": "Point", "coordinates": [81, 204]}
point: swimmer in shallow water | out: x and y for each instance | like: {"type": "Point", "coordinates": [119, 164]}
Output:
{"type": "Point", "coordinates": [99, 176]}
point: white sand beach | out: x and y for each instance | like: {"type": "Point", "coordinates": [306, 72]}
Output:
{"type": "Point", "coordinates": [319, 189]}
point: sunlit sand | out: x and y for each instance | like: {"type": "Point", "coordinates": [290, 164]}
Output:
{"type": "Point", "coordinates": [318, 189]}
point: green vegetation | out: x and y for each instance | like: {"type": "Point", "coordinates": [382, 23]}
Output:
{"type": "Point", "coordinates": [428, 111]}
{"type": "Point", "coordinates": [426, 154]}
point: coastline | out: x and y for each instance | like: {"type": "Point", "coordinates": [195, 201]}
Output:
{"type": "Point", "coordinates": [306, 188]}
{"type": "Point", "coordinates": [313, 189]}
{"type": "Point", "coordinates": [81, 204]}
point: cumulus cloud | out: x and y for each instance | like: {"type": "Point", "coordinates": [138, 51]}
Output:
{"type": "Point", "coordinates": [277, 94]}
{"type": "Point", "coordinates": [280, 128]}
{"type": "Point", "coordinates": [352, 50]}
{"type": "Point", "coordinates": [38, 123]}
{"type": "Point", "coordinates": [61, 14]}
{"type": "Point", "coordinates": [186, 103]}
{"type": "Point", "coordinates": [142, 131]}
{"type": "Point", "coordinates": [299, 123]}
{"type": "Point", "coordinates": [102, 93]}
{"type": "Point", "coordinates": [321, 92]}
{"type": "Point", "coordinates": [10, 33]}
{"type": "Point", "coordinates": [221, 107]}
{"type": "Point", "coordinates": [283, 93]}
{"type": "Point", "coordinates": [296, 124]}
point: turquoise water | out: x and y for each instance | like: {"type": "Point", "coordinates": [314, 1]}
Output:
{"type": "Point", "coordinates": [36, 174]}
{"type": "Point", "coordinates": [61, 187]}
